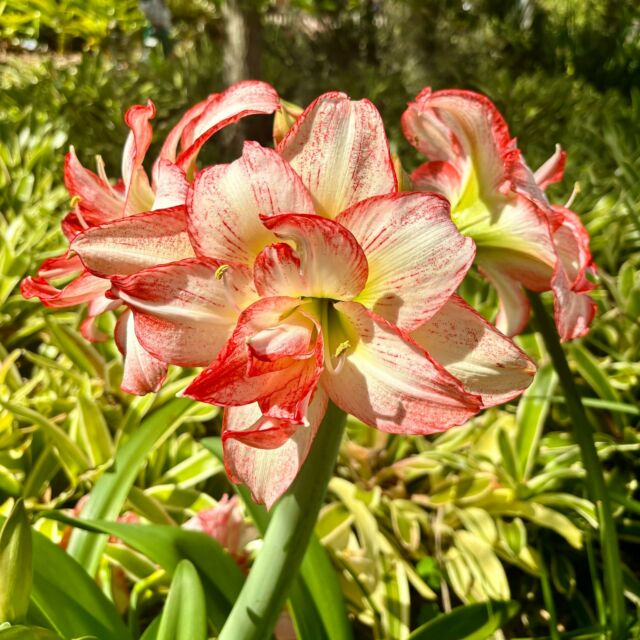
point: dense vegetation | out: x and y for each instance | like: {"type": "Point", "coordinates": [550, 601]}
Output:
{"type": "Point", "coordinates": [492, 511]}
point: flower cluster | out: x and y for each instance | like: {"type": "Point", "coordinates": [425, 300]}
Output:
{"type": "Point", "coordinates": [310, 272]}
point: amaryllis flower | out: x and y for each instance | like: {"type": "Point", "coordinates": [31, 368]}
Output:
{"type": "Point", "coordinates": [344, 289]}
{"type": "Point", "coordinates": [521, 240]}
{"type": "Point", "coordinates": [98, 204]}
{"type": "Point", "coordinates": [226, 523]}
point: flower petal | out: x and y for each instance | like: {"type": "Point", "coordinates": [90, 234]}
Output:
{"type": "Point", "coordinates": [169, 150]}
{"type": "Point", "coordinates": [98, 203]}
{"type": "Point", "coordinates": [172, 186]}
{"type": "Point", "coordinates": [134, 243]}
{"type": "Point", "coordinates": [417, 258]}
{"type": "Point", "coordinates": [470, 348]}
{"type": "Point", "coordinates": [142, 372]}
{"type": "Point", "coordinates": [239, 100]}
{"type": "Point", "coordinates": [240, 375]}
{"type": "Point", "coordinates": [440, 177]}
{"type": "Point", "coordinates": [391, 383]}
{"type": "Point", "coordinates": [268, 472]}
{"type": "Point", "coordinates": [466, 130]}
{"type": "Point", "coordinates": [139, 195]}
{"type": "Point", "coordinates": [84, 288]}
{"type": "Point", "coordinates": [573, 311]}
{"type": "Point", "coordinates": [552, 170]}
{"type": "Point", "coordinates": [227, 201]}
{"type": "Point", "coordinates": [184, 313]}
{"type": "Point", "coordinates": [573, 308]}
{"type": "Point", "coordinates": [327, 262]}
{"type": "Point", "coordinates": [513, 308]}
{"type": "Point", "coordinates": [340, 150]}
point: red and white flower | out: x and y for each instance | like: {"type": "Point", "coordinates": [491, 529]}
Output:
{"type": "Point", "coordinates": [314, 279]}
{"type": "Point", "coordinates": [105, 216]}
{"type": "Point", "coordinates": [522, 241]}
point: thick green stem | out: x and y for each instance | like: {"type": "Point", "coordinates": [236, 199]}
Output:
{"type": "Point", "coordinates": [260, 602]}
{"type": "Point", "coordinates": [594, 477]}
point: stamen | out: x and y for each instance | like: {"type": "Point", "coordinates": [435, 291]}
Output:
{"type": "Point", "coordinates": [220, 271]}
{"type": "Point", "coordinates": [219, 275]}
{"type": "Point", "coordinates": [572, 197]}
{"type": "Point", "coordinates": [342, 347]}
{"type": "Point", "coordinates": [75, 201]}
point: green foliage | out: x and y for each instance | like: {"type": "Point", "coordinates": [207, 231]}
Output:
{"type": "Point", "coordinates": [423, 536]}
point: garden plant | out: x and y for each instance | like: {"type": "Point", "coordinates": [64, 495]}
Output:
{"type": "Point", "coordinates": [339, 360]}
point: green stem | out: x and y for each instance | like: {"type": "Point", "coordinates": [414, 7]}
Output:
{"type": "Point", "coordinates": [594, 477]}
{"type": "Point", "coordinates": [260, 602]}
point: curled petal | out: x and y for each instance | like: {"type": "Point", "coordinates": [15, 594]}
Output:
{"type": "Point", "coordinates": [281, 383]}
{"type": "Point", "coordinates": [96, 307]}
{"type": "Point", "coordinates": [227, 201]}
{"type": "Point", "coordinates": [142, 372]}
{"type": "Point", "coordinates": [98, 202]}
{"type": "Point", "coordinates": [134, 243]}
{"type": "Point", "coordinates": [327, 261]}
{"type": "Point", "coordinates": [485, 361]}
{"type": "Point", "coordinates": [390, 382]}
{"type": "Point", "coordinates": [513, 304]}
{"type": "Point", "coordinates": [185, 311]}
{"type": "Point", "coordinates": [573, 308]}
{"type": "Point", "coordinates": [139, 195]}
{"type": "Point", "coordinates": [169, 150]}
{"type": "Point", "coordinates": [417, 258]}
{"type": "Point", "coordinates": [268, 471]}
{"type": "Point", "coordinates": [239, 100]}
{"type": "Point", "coordinates": [84, 288]}
{"type": "Point", "coordinates": [340, 150]}
{"type": "Point", "coordinates": [552, 170]}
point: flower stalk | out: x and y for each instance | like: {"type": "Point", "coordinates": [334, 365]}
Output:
{"type": "Point", "coordinates": [258, 607]}
{"type": "Point", "coordinates": [594, 478]}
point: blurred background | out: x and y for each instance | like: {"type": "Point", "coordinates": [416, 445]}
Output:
{"type": "Point", "coordinates": [560, 71]}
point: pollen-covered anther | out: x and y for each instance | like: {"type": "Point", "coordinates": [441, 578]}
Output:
{"type": "Point", "coordinates": [220, 271]}
{"type": "Point", "coordinates": [75, 201]}
{"type": "Point", "coordinates": [342, 347]}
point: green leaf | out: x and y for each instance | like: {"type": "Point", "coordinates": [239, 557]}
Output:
{"type": "Point", "coordinates": [111, 490]}
{"type": "Point", "coordinates": [531, 415]}
{"type": "Point", "coordinates": [21, 632]}
{"type": "Point", "coordinates": [184, 616]}
{"type": "Point", "coordinates": [471, 622]}
{"type": "Point", "coordinates": [16, 565]}
{"type": "Point", "coordinates": [167, 546]}
{"type": "Point", "coordinates": [66, 599]}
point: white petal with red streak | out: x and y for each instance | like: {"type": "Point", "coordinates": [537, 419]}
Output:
{"type": "Point", "coordinates": [131, 244]}
{"type": "Point", "coordinates": [84, 288]}
{"type": "Point", "coordinates": [327, 261]}
{"type": "Point", "coordinates": [183, 313]}
{"type": "Point", "coordinates": [513, 304]}
{"type": "Point", "coordinates": [417, 257]}
{"type": "Point", "coordinates": [389, 382]}
{"type": "Point", "coordinates": [142, 372]}
{"type": "Point", "coordinates": [340, 150]}
{"type": "Point", "coordinates": [552, 170]}
{"type": "Point", "coordinates": [239, 376]}
{"type": "Point", "coordinates": [268, 472]}
{"type": "Point", "coordinates": [139, 195]}
{"type": "Point", "coordinates": [98, 202]}
{"type": "Point", "coordinates": [470, 348]}
{"type": "Point", "coordinates": [227, 200]}
{"type": "Point", "coordinates": [239, 100]}
{"type": "Point", "coordinates": [439, 177]}
{"type": "Point", "coordinates": [172, 186]}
